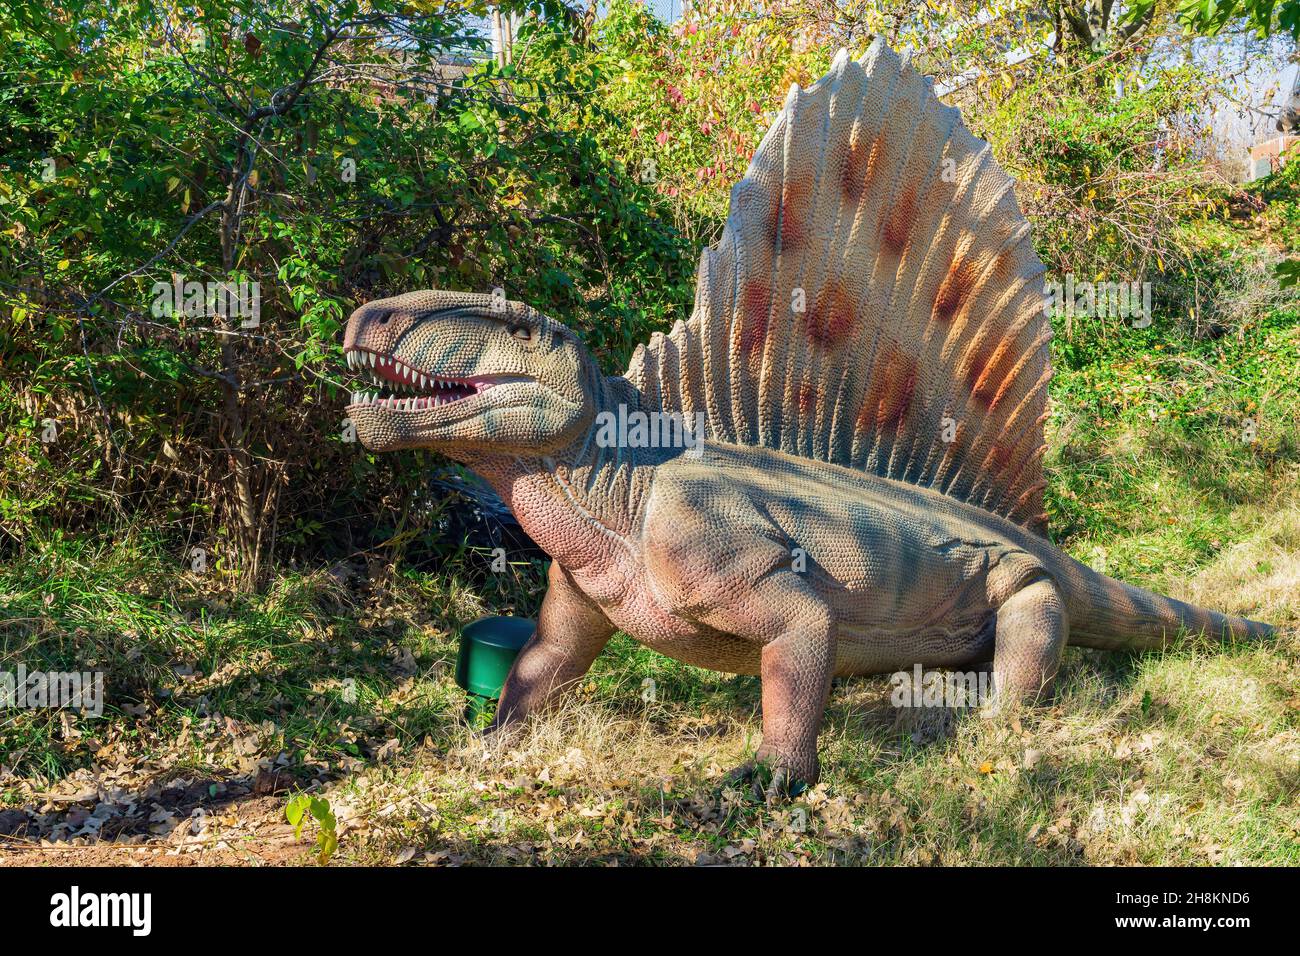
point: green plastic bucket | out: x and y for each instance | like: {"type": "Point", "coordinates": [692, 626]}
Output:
{"type": "Point", "coordinates": [488, 648]}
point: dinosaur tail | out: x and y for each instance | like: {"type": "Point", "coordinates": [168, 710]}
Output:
{"type": "Point", "coordinates": [1110, 614]}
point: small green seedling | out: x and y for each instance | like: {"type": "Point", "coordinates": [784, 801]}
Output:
{"type": "Point", "coordinates": [303, 805]}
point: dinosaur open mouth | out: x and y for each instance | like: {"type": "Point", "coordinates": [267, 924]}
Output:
{"type": "Point", "coordinates": [404, 388]}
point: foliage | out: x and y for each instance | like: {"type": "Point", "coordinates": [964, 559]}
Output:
{"type": "Point", "coordinates": [693, 100]}
{"type": "Point", "coordinates": [307, 806]}
{"type": "Point", "coordinates": [1213, 16]}
{"type": "Point", "coordinates": [354, 155]}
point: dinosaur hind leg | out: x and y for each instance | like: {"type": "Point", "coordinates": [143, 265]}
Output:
{"type": "Point", "coordinates": [796, 669]}
{"type": "Point", "coordinates": [571, 631]}
{"type": "Point", "coordinates": [797, 635]}
{"type": "Point", "coordinates": [1031, 631]}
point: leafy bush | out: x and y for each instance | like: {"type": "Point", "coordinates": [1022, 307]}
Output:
{"type": "Point", "coordinates": [356, 155]}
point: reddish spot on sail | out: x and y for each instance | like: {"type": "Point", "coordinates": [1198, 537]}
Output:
{"type": "Point", "coordinates": [893, 388]}
{"type": "Point", "coordinates": [989, 370]}
{"type": "Point", "coordinates": [899, 224]}
{"type": "Point", "coordinates": [809, 398]}
{"type": "Point", "coordinates": [1000, 457]}
{"type": "Point", "coordinates": [955, 290]}
{"type": "Point", "coordinates": [792, 213]}
{"type": "Point", "coordinates": [856, 173]}
{"type": "Point", "coordinates": [1003, 265]}
{"type": "Point", "coordinates": [755, 306]}
{"type": "Point", "coordinates": [831, 318]}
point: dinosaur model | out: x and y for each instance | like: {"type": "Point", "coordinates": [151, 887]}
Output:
{"type": "Point", "coordinates": [868, 358]}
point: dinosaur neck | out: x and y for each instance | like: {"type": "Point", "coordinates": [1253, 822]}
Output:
{"type": "Point", "coordinates": [583, 502]}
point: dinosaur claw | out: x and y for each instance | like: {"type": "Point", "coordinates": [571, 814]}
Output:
{"type": "Point", "coordinates": [766, 782]}
{"type": "Point", "coordinates": [500, 735]}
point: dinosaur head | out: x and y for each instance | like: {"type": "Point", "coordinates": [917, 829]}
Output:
{"type": "Point", "coordinates": [466, 375]}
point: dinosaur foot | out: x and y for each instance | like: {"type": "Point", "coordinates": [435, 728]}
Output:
{"type": "Point", "coordinates": [501, 736]}
{"type": "Point", "coordinates": [767, 780]}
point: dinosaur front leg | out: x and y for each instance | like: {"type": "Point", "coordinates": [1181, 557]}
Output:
{"type": "Point", "coordinates": [796, 671]}
{"type": "Point", "coordinates": [1032, 629]}
{"type": "Point", "coordinates": [742, 582]}
{"type": "Point", "coordinates": [571, 631]}
{"type": "Point", "coordinates": [796, 665]}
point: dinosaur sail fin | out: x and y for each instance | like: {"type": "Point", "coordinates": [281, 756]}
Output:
{"type": "Point", "coordinates": [874, 301]}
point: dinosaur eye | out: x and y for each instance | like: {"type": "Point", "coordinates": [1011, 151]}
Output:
{"type": "Point", "coordinates": [521, 331]}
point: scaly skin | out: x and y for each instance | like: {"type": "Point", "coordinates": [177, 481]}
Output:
{"type": "Point", "coordinates": [744, 560]}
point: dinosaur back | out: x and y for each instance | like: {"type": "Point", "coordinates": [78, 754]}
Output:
{"type": "Point", "coordinates": [874, 300]}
